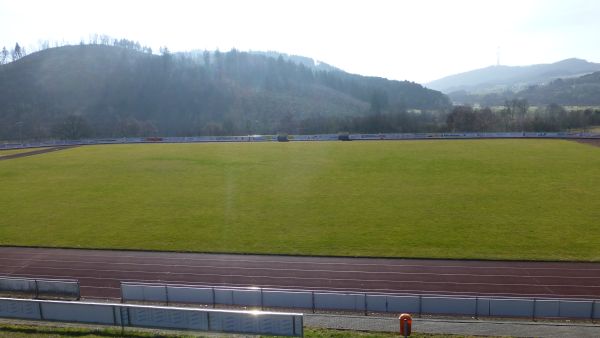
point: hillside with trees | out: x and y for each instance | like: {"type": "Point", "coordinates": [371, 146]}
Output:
{"type": "Point", "coordinates": [579, 91]}
{"type": "Point", "coordinates": [118, 88]}
{"type": "Point", "coordinates": [517, 115]}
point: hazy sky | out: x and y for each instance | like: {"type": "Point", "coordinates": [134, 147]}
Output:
{"type": "Point", "coordinates": [417, 40]}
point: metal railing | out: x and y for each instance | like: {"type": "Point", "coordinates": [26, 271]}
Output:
{"type": "Point", "coordinates": [40, 288]}
{"type": "Point", "coordinates": [243, 322]}
{"type": "Point", "coordinates": [316, 300]}
{"type": "Point", "coordinates": [315, 137]}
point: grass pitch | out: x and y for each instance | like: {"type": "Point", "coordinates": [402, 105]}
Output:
{"type": "Point", "coordinates": [496, 199]}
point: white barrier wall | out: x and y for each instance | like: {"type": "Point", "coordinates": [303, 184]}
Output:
{"type": "Point", "coordinates": [339, 301]}
{"type": "Point", "coordinates": [147, 293]}
{"type": "Point", "coordinates": [410, 304]}
{"type": "Point", "coordinates": [17, 285]}
{"type": "Point", "coordinates": [448, 305]}
{"type": "Point", "coordinates": [512, 307]}
{"type": "Point", "coordinates": [318, 137]}
{"type": "Point", "coordinates": [75, 312]}
{"type": "Point", "coordinates": [41, 287]}
{"type": "Point", "coordinates": [574, 309]}
{"type": "Point", "coordinates": [377, 303]}
{"type": "Point", "coordinates": [272, 323]}
{"type": "Point", "coordinates": [238, 297]}
{"type": "Point", "coordinates": [191, 295]}
{"type": "Point", "coordinates": [245, 322]}
{"type": "Point", "coordinates": [174, 319]}
{"type": "Point", "coordinates": [21, 310]}
{"type": "Point", "coordinates": [301, 299]}
{"type": "Point", "coordinates": [363, 302]}
{"type": "Point", "coordinates": [58, 287]}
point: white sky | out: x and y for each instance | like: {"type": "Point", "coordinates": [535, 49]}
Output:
{"type": "Point", "coordinates": [416, 40]}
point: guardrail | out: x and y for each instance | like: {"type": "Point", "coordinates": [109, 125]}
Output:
{"type": "Point", "coordinates": [421, 136]}
{"type": "Point", "coordinates": [243, 322]}
{"type": "Point", "coordinates": [315, 137]}
{"type": "Point", "coordinates": [41, 287]}
{"type": "Point", "coordinates": [363, 302]}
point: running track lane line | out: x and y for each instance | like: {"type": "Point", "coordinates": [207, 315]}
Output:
{"type": "Point", "coordinates": [311, 277]}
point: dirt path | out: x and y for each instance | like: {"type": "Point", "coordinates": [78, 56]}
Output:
{"type": "Point", "coordinates": [34, 152]}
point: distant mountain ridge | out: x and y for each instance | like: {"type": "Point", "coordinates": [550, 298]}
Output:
{"type": "Point", "coordinates": [574, 91]}
{"type": "Point", "coordinates": [512, 78]}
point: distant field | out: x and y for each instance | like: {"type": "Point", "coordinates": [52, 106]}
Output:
{"type": "Point", "coordinates": [500, 199]}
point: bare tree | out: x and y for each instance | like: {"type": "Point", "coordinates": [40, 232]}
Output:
{"type": "Point", "coordinates": [43, 44]}
{"type": "Point", "coordinates": [105, 39]}
{"type": "Point", "coordinates": [16, 52]}
{"type": "Point", "coordinates": [206, 56]}
{"type": "Point", "coordinates": [4, 56]}
{"type": "Point", "coordinates": [72, 127]}
{"type": "Point", "coordinates": [94, 39]}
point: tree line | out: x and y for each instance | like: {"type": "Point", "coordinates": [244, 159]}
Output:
{"type": "Point", "coordinates": [551, 118]}
{"type": "Point", "coordinates": [517, 115]}
{"type": "Point", "coordinates": [14, 54]}
{"type": "Point", "coordinates": [18, 51]}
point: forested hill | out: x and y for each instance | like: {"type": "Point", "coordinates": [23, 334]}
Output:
{"type": "Point", "coordinates": [110, 91]}
{"type": "Point", "coordinates": [579, 91]}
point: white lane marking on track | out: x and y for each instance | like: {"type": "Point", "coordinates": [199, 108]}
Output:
{"type": "Point", "coordinates": [309, 288]}
{"type": "Point", "coordinates": [307, 270]}
{"type": "Point", "coordinates": [283, 261]}
{"type": "Point", "coordinates": [99, 287]}
{"type": "Point", "coordinates": [537, 280]}
{"type": "Point", "coordinates": [320, 278]}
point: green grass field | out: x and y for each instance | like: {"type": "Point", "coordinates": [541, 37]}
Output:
{"type": "Point", "coordinates": [495, 199]}
{"type": "Point", "coordinates": [45, 331]}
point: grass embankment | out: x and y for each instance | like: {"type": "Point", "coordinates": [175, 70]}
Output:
{"type": "Point", "coordinates": [495, 199]}
{"type": "Point", "coordinates": [29, 331]}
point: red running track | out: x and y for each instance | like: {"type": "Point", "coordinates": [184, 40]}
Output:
{"type": "Point", "coordinates": [100, 271]}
